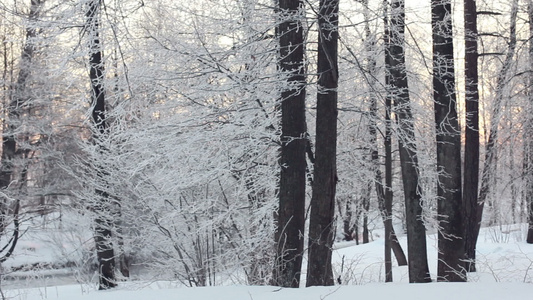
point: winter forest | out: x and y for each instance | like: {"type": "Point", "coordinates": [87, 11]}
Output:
{"type": "Point", "coordinates": [211, 142]}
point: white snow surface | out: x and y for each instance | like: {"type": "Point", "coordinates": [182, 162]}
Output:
{"type": "Point", "coordinates": [505, 271]}
{"type": "Point", "coordinates": [397, 291]}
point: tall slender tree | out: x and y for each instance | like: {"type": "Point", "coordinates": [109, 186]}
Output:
{"type": "Point", "coordinates": [471, 154]}
{"type": "Point", "coordinates": [321, 223]}
{"type": "Point", "coordinates": [399, 88]}
{"type": "Point", "coordinates": [386, 192]}
{"type": "Point", "coordinates": [291, 213]}
{"type": "Point", "coordinates": [448, 137]}
{"type": "Point", "coordinates": [102, 207]}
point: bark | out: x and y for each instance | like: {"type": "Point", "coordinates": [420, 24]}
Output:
{"type": "Point", "coordinates": [365, 209]}
{"type": "Point", "coordinates": [291, 214]}
{"type": "Point", "coordinates": [103, 223]}
{"type": "Point", "coordinates": [384, 205]}
{"type": "Point", "coordinates": [384, 198]}
{"type": "Point", "coordinates": [448, 136]}
{"type": "Point", "coordinates": [385, 195]}
{"type": "Point", "coordinates": [321, 224]}
{"type": "Point", "coordinates": [471, 156]}
{"type": "Point", "coordinates": [347, 223]}
{"type": "Point", "coordinates": [399, 89]}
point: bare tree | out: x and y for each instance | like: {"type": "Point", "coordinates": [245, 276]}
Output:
{"type": "Point", "coordinates": [321, 223]}
{"type": "Point", "coordinates": [13, 151]}
{"type": "Point", "coordinates": [103, 221]}
{"type": "Point", "coordinates": [471, 156]}
{"type": "Point", "coordinates": [290, 232]}
{"type": "Point", "coordinates": [399, 88]}
{"type": "Point", "coordinates": [450, 217]}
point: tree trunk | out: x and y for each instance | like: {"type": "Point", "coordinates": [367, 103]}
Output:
{"type": "Point", "coordinates": [347, 223]}
{"type": "Point", "coordinates": [399, 89]}
{"type": "Point", "coordinates": [321, 224]}
{"type": "Point", "coordinates": [448, 136]}
{"type": "Point", "coordinates": [384, 193]}
{"type": "Point", "coordinates": [471, 158]}
{"type": "Point", "coordinates": [103, 222]}
{"type": "Point", "coordinates": [366, 208]}
{"type": "Point", "coordinates": [291, 214]}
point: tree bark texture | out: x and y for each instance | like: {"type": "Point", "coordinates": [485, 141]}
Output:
{"type": "Point", "coordinates": [399, 89]}
{"type": "Point", "coordinates": [471, 154]}
{"type": "Point", "coordinates": [450, 265]}
{"type": "Point", "coordinates": [103, 223]}
{"type": "Point", "coordinates": [291, 214]}
{"type": "Point", "coordinates": [321, 225]}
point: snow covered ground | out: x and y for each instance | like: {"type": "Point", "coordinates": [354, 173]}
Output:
{"type": "Point", "coordinates": [433, 291]}
{"type": "Point", "coordinates": [505, 264]}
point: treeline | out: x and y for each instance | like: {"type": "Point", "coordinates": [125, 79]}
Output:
{"type": "Point", "coordinates": [227, 140]}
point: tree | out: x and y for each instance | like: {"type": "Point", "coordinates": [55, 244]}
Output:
{"type": "Point", "coordinates": [191, 215]}
{"type": "Point", "coordinates": [471, 152]}
{"type": "Point", "coordinates": [448, 137]}
{"type": "Point", "coordinates": [103, 222]}
{"type": "Point", "coordinates": [416, 231]}
{"type": "Point", "coordinates": [385, 194]}
{"type": "Point", "coordinates": [291, 212]}
{"type": "Point", "coordinates": [13, 166]}
{"type": "Point", "coordinates": [321, 222]}
{"type": "Point", "coordinates": [489, 164]}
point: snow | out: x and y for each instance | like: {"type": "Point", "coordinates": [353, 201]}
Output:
{"type": "Point", "coordinates": [397, 291]}
{"type": "Point", "coordinates": [505, 271]}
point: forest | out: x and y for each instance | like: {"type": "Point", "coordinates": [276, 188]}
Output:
{"type": "Point", "coordinates": [212, 140]}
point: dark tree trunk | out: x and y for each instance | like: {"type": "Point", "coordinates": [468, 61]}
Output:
{"type": "Point", "coordinates": [348, 228]}
{"type": "Point", "coordinates": [291, 214]}
{"type": "Point", "coordinates": [104, 248]}
{"type": "Point", "coordinates": [384, 193]}
{"type": "Point", "coordinates": [366, 208]}
{"type": "Point", "coordinates": [448, 135]}
{"type": "Point", "coordinates": [399, 89]}
{"type": "Point", "coordinates": [471, 158]}
{"type": "Point", "coordinates": [391, 241]}
{"type": "Point", "coordinates": [321, 224]}
{"type": "Point", "coordinates": [123, 259]}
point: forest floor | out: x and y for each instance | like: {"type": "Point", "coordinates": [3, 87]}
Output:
{"type": "Point", "coordinates": [505, 271]}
